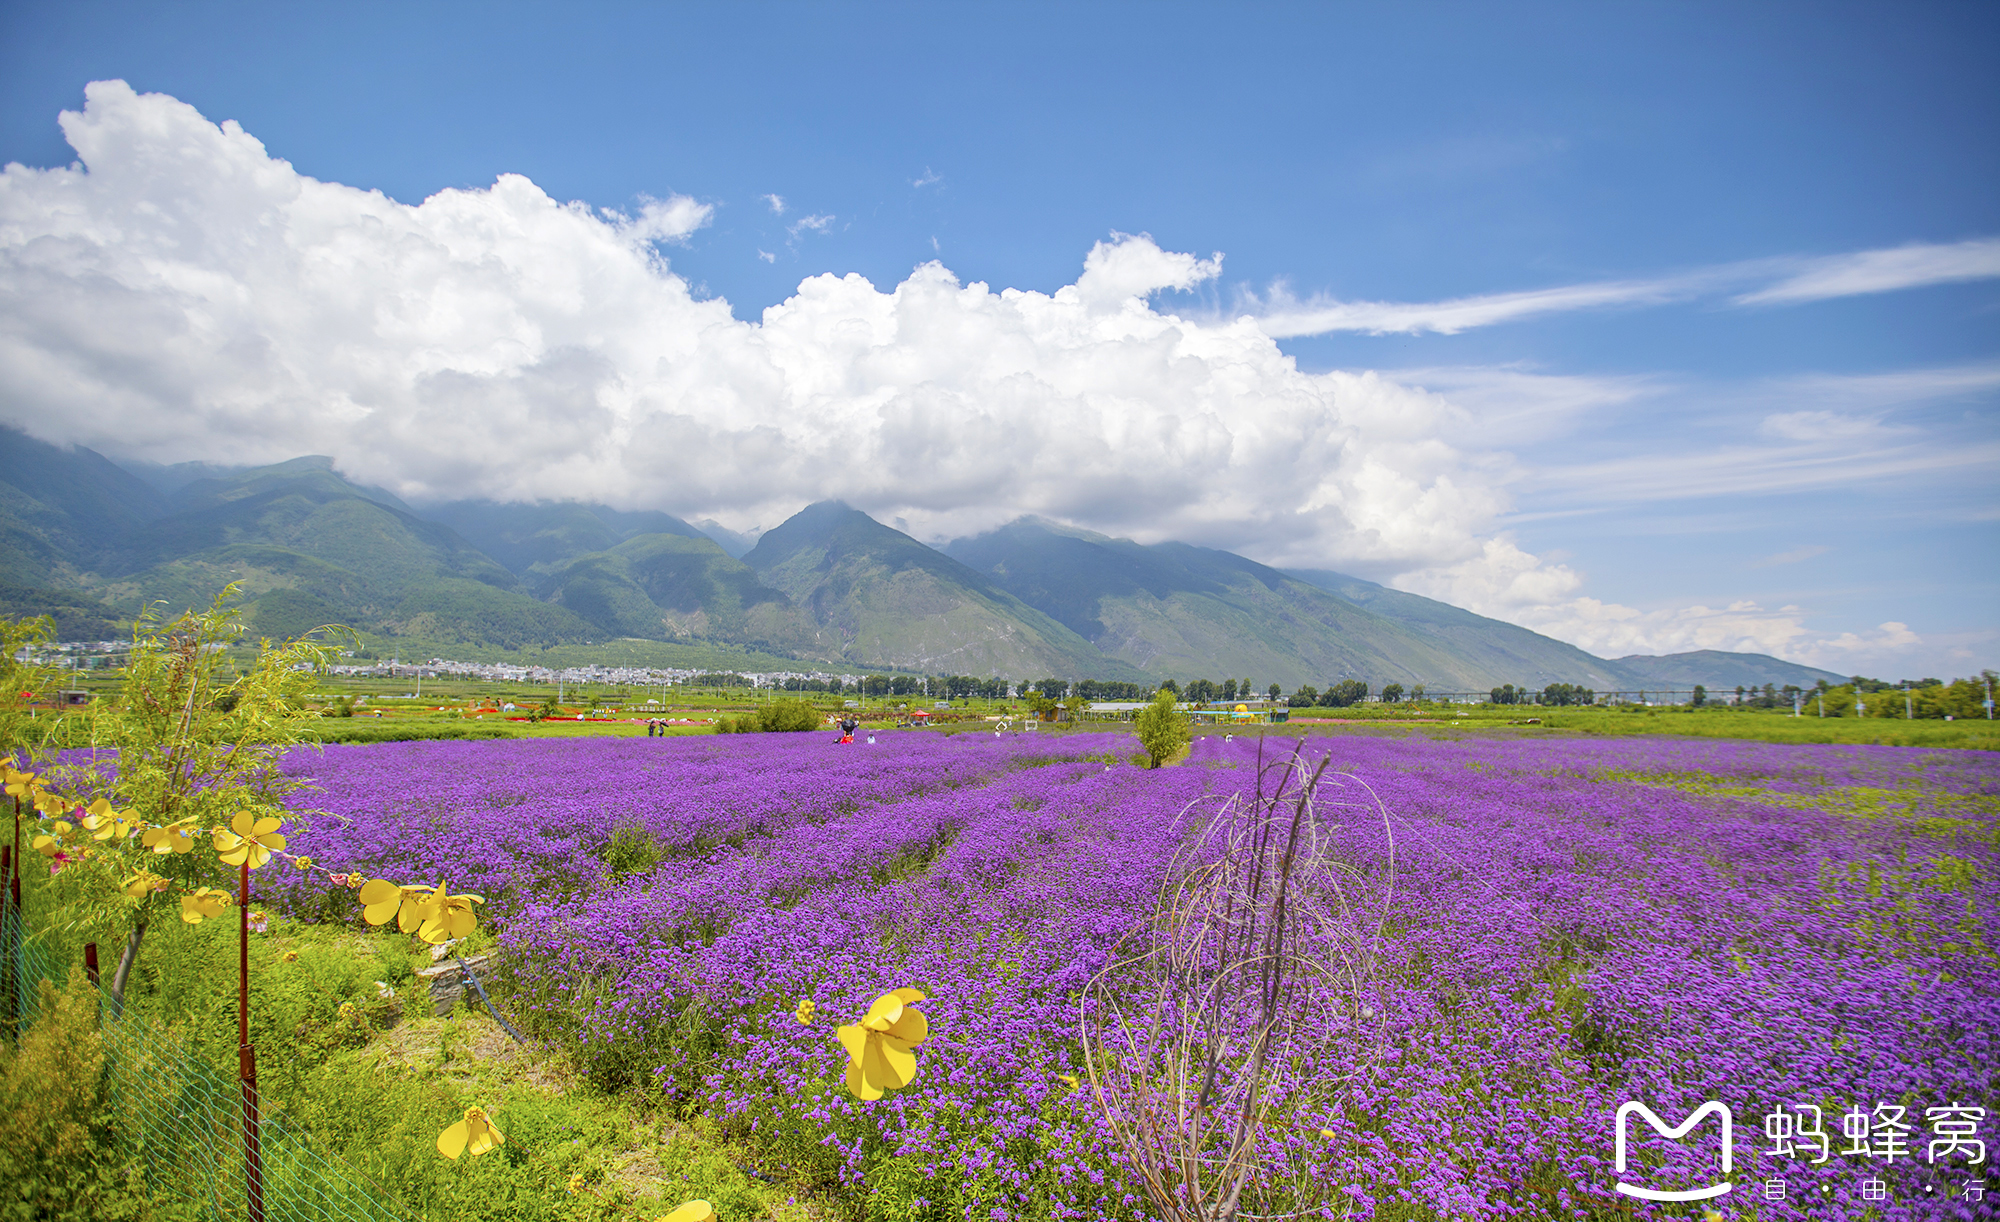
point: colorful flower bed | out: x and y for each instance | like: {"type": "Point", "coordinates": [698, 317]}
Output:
{"type": "Point", "coordinates": [1565, 926]}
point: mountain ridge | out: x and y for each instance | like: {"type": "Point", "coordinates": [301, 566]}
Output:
{"type": "Point", "coordinates": [886, 595]}
{"type": "Point", "coordinates": [91, 541]}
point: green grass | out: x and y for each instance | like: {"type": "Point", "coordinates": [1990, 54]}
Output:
{"type": "Point", "coordinates": [371, 1077]}
{"type": "Point", "coordinates": [1763, 725]}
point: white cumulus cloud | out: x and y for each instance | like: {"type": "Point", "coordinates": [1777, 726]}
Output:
{"type": "Point", "coordinates": [179, 293]}
{"type": "Point", "coordinates": [665, 220]}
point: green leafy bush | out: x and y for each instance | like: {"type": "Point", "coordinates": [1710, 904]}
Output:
{"type": "Point", "coordinates": [60, 1156]}
{"type": "Point", "coordinates": [631, 850]}
{"type": "Point", "coordinates": [1163, 730]}
{"type": "Point", "coordinates": [779, 716]}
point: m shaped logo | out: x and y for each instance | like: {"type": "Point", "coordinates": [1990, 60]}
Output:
{"type": "Point", "coordinates": [1711, 1108]}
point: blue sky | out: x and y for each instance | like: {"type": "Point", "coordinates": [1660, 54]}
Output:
{"type": "Point", "coordinates": [1757, 414]}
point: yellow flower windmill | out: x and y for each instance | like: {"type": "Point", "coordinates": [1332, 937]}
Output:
{"type": "Point", "coordinates": [204, 903]}
{"type": "Point", "coordinates": [170, 838]}
{"type": "Point", "coordinates": [433, 914]}
{"type": "Point", "coordinates": [52, 842]}
{"type": "Point", "coordinates": [24, 785]}
{"type": "Point", "coordinates": [249, 840]}
{"type": "Point", "coordinates": [448, 916]}
{"type": "Point", "coordinates": [142, 884]}
{"type": "Point", "coordinates": [476, 1133]}
{"type": "Point", "coordinates": [696, 1210]}
{"type": "Point", "coordinates": [381, 900]}
{"type": "Point", "coordinates": [879, 1055]}
{"type": "Point", "coordinates": [104, 823]}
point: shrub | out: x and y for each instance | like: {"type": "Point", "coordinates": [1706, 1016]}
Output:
{"type": "Point", "coordinates": [1163, 730]}
{"type": "Point", "coordinates": [631, 850]}
{"type": "Point", "coordinates": [779, 716]}
{"type": "Point", "coordinates": [790, 716]}
{"type": "Point", "coordinates": [60, 1153]}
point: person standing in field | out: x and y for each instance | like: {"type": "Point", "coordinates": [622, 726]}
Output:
{"type": "Point", "coordinates": [848, 725]}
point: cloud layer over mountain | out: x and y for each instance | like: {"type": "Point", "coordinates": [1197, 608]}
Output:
{"type": "Point", "coordinates": [181, 294]}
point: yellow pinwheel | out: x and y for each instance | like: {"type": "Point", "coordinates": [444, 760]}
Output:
{"type": "Point", "coordinates": [51, 842]}
{"type": "Point", "coordinates": [204, 903]}
{"type": "Point", "coordinates": [448, 916]}
{"type": "Point", "coordinates": [696, 1210]}
{"type": "Point", "coordinates": [171, 838]}
{"type": "Point", "coordinates": [25, 785]}
{"type": "Point", "coordinates": [104, 823]}
{"type": "Point", "coordinates": [419, 905]}
{"type": "Point", "coordinates": [250, 839]}
{"type": "Point", "coordinates": [878, 1047]}
{"type": "Point", "coordinates": [142, 883]}
{"type": "Point", "coordinates": [380, 899]}
{"type": "Point", "coordinates": [476, 1133]}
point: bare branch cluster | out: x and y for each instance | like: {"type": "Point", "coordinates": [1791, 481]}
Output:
{"type": "Point", "coordinates": [1223, 1034]}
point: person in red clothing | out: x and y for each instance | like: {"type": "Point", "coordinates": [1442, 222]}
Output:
{"type": "Point", "coordinates": [848, 725]}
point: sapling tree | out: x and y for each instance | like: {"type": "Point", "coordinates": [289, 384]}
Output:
{"type": "Point", "coordinates": [188, 744]}
{"type": "Point", "coordinates": [1163, 729]}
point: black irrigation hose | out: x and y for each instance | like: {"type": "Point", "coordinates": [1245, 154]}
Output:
{"type": "Point", "coordinates": [481, 990]}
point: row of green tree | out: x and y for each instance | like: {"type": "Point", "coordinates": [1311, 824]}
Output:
{"type": "Point", "coordinates": [1557, 694]}
{"type": "Point", "coordinates": [937, 687]}
{"type": "Point", "coordinates": [1208, 691]}
{"type": "Point", "coordinates": [1920, 699]}
{"type": "Point", "coordinates": [1348, 692]}
{"type": "Point", "coordinates": [1091, 689]}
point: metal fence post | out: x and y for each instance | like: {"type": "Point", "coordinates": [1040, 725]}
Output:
{"type": "Point", "coordinates": [246, 1056]}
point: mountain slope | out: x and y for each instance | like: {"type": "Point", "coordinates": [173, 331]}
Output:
{"type": "Point", "coordinates": [1180, 611]}
{"type": "Point", "coordinates": [879, 597]}
{"type": "Point", "coordinates": [309, 548]}
{"type": "Point", "coordinates": [63, 512]}
{"type": "Point", "coordinates": [670, 586]}
{"type": "Point", "coordinates": [539, 540]}
{"type": "Point", "coordinates": [1720, 670]}
{"type": "Point", "coordinates": [1507, 652]}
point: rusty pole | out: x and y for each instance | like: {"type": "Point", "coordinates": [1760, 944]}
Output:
{"type": "Point", "coordinates": [246, 1056]}
{"type": "Point", "coordinates": [11, 970]}
{"type": "Point", "coordinates": [7, 950]}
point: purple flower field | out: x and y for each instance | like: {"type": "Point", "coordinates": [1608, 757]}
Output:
{"type": "Point", "coordinates": [1568, 925]}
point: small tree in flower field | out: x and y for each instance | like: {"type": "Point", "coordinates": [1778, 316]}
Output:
{"type": "Point", "coordinates": [188, 743]}
{"type": "Point", "coordinates": [1163, 729]}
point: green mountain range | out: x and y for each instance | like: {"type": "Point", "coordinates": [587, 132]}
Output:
{"type": "Point", "coordinates": [880, 596]}
{"type": "Point", "coordinates": [93, 543]}
{"type": "Point", "coordinates": [1174, 609]}
{"type": "Point", "coordinates": [307, 546]}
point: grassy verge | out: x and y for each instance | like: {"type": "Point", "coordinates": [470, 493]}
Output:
{"type": "Point", "coordinates": [1760, 725]}
{"type": "Point", "coordinates": [350, 1054]}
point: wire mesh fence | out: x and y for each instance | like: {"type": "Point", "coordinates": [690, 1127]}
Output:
{"type": "Point", "coordinates": [184, 1118]}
